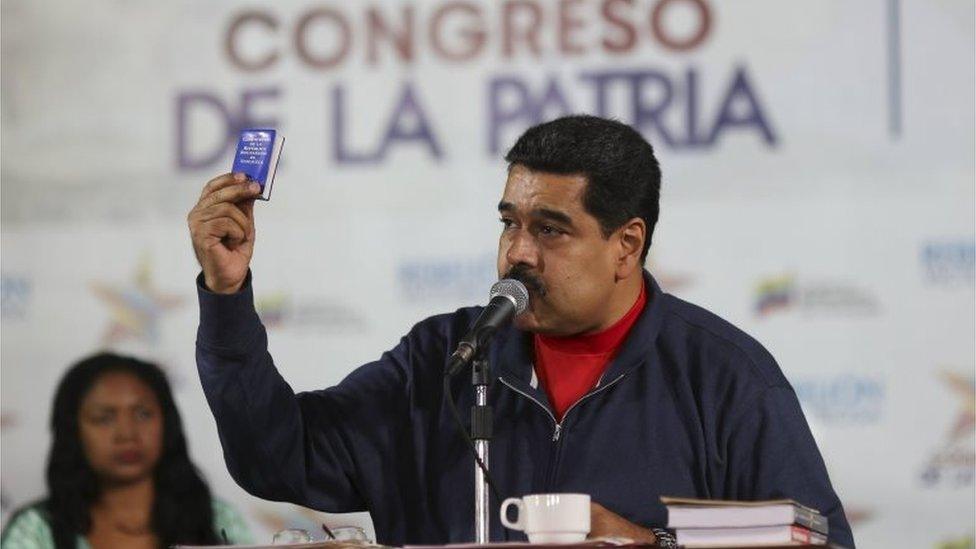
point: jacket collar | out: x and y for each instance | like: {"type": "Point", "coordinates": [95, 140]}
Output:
{"type": "Point", "coordinates": [511, 355]}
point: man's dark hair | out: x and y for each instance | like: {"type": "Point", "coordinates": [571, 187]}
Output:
{"type": "Point", "coordinates": [622, 174]}
{"type": "Point", "coordinates": [181, 512]}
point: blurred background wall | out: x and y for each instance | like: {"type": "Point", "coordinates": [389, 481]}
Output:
{"type": "Point", "coordinates": [818, 192]}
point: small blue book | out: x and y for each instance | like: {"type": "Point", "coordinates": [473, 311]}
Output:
{"type": "Point", "coordinates": [257, 156]}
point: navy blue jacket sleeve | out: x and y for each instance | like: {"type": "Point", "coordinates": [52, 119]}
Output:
{"type": "Point", "coordinates": [772, 455]}
{"type": "Point", "coordinates": [307, 448]}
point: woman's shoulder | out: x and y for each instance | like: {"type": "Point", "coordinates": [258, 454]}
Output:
{"type": "Point", "coordinates": [28, 528]}
{"type": "Point", "coordinates": [229, 522]}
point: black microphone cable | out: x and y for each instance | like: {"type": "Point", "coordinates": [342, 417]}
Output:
{"type": "Point", "coordinates": [467, 437]}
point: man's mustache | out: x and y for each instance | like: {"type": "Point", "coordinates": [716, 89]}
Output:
{"type": "Point", "coordinates": [532, 281]}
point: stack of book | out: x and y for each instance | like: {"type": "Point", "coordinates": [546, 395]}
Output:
{"type": "Point", "coordinates": [716, 523]}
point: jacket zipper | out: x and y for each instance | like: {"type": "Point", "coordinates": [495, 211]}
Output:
{"type": "Point", "coordinates": [584, 397]}
{"type": "Point", "coordinates": [558, 429]}
{"type": "Point", "coordinates": [555, 435]}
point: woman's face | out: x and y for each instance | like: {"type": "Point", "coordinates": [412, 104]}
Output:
{"type": "Point", "coordinates": [121, 427]}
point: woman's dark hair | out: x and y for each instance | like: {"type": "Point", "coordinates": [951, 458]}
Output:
{"type": "Point", "coordinates": [181, 512]}
{"type": "Point", "coordinates": [623, 176]}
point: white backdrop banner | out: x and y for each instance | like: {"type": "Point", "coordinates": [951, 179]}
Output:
{"type": "Point", "coordinates": [818, 192]}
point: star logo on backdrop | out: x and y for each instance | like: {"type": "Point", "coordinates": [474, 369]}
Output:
{"type": "Point", "coordinates": [136, 308]}
{"type": "Point", "coordinates": [954, 462]}
{"type": "Point", "coordinates": [965, 388]}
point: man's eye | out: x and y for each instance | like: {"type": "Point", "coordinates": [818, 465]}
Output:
{"type": "Point", "coordinates": [549, 230]}
{"type": "Point", "coordinates": [506, 222]}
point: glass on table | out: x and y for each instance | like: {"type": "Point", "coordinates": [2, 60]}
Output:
{"type": "Point", "coordinates": [348, 533]}
{"type": "Point", "coordinates": [291, 535]}
{"type": "Point", "coordinates": [344, 534]}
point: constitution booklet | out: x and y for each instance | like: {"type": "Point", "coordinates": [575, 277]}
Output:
{"type": "Point", "coordinates": [257, 156]}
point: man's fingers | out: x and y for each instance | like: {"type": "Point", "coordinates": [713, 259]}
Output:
{"type": "Point", "coordinates": [248, 208]}
{"type": "Point", "coordinates": [223, 209]}
{"type": "Point", "coordinates": [232, 194]}
{"type": "Point", "coordinates": [225, 229]}
{"type": "Point", "coordinates": [222, 181]}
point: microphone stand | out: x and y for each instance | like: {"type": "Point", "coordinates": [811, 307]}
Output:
{"type": "Point", "coordinates": [481, 432]}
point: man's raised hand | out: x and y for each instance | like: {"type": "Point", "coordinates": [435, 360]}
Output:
{"type": "Point", "coordinates": [222, 230]}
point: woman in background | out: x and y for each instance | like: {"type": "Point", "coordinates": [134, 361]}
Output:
{"type": "Point", "coordinates": [118, 472]}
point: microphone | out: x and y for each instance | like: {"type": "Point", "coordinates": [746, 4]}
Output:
{"type": "Point", "coordinates": [508, 298]}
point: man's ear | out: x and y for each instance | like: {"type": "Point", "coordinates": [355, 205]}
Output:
{"type": "Point", "coordinates": [631, 236]}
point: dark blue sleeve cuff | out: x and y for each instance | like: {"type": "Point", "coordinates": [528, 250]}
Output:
{"type": "Point", "coordinates": [227, 321]}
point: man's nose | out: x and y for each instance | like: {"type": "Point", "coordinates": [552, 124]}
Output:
{"type": "Point", "coordinates": [522, 249]}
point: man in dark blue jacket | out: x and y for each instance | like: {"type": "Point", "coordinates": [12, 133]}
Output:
{"type": "Point", "coordinates": [605, 385]}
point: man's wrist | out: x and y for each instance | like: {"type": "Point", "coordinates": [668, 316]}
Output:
{"type": "Point", "coordinates": [214, 287]}
{"type": "Point", "coordinates": [643, 535]}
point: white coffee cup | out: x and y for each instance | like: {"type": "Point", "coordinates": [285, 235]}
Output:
{"type": "Point", "coordinates": [550, 518]}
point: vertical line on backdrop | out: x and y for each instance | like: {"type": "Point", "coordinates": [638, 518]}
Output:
{"type": "Point", "coordinates": [894, 68]}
